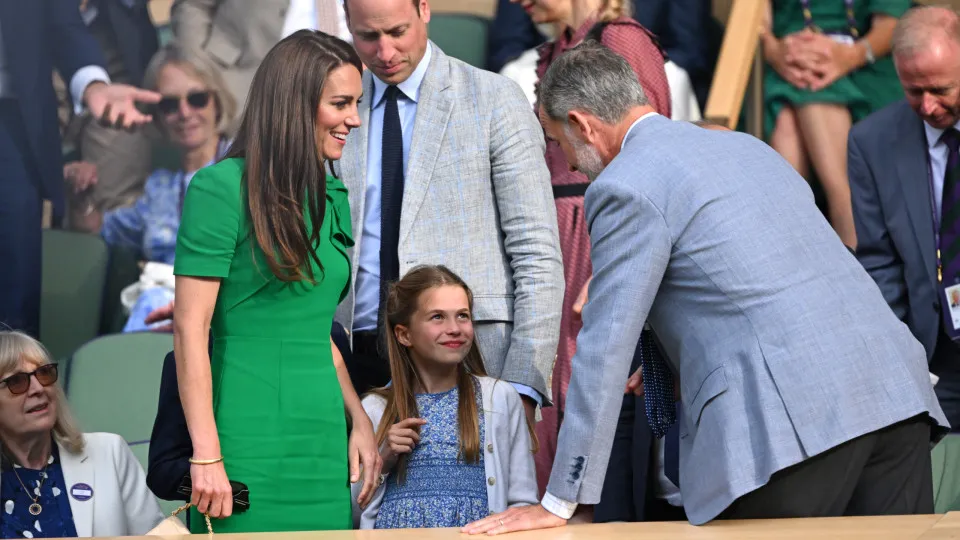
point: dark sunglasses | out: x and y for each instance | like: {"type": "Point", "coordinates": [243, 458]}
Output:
{"type": "Point", "coordinates": [19, 383]}
{"type": "Point", "coordinates": [171, 104]}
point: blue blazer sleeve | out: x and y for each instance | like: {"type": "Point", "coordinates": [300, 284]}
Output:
{"type": "Point", "coordinates": [73, 45]}
{"type": "Point", "coordinates": [511, 34]}
{"type": "Point", "coordinates": [170, 445]}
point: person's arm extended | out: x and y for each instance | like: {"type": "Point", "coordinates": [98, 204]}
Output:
{"type": "Point", "coordinates": [195, 301]}
{"type": "Point", "coordinates": [363, 445]}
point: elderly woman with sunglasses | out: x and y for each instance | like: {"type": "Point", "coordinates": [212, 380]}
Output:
{"type": "Point", "coordinates": [55, 481]}
{"type": "Point", "coordinates": [193, 115]}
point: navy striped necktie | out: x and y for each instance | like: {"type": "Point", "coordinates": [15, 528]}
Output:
{"type": "Point", "coordinates": [391, 201]}
{"type": "Point", "coordinates": [950, 212]}
{"type": "Point", "coordinates": [658, 395]}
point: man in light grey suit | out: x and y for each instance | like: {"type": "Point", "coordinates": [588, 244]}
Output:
{"type": "Point", "coordinates": [897, 166]}
{"type": "Point", "coordinates": [449, 169]}
{"type": "Point", "coordinates": [802, 394]}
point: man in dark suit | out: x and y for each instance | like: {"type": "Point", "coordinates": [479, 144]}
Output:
{"type": "Point", "coordinates": [903, 169]}
{"type": "Point", "coordinates": [122, 159]}
{"type": "Point", "coordinates": [35, 36]}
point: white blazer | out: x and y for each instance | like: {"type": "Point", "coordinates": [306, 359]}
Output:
{"type": "Point", "coordinates": [121, 504]}
{"type": "Point", "coordinates": [507, 456]}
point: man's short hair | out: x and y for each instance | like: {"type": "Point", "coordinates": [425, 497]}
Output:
{"type": "Point", "coordinates": [919, 26]}
{"type": "Point", "coordinates": [346, 11]}
{"type": "Point", "coordinates": [593, 79]}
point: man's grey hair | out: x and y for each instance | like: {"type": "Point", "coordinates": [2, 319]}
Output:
{"type": "Point", "coordinates": [593, 79]}
{"type": "Point", "coordinates": [920, 27]}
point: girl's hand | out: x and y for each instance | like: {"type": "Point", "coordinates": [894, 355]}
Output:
{"type": "Point", "coordinates": [212, 493]}
{"type": "Point", "coordinates": [403, 436]}
{"type": "Point", "coordinates": [363, 454]}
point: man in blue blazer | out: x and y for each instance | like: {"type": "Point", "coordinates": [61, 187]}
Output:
{"type": "Point", "coordinates": [892, 188]}
{"type": "Point", "coordinates": [35, 37]}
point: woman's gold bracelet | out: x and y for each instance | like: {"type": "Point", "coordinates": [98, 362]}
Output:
{"type": "Point", "coordinates": [205, 461]}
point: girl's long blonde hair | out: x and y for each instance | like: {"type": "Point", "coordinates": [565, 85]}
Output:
{"type": "Point", "coordinates": [402, 302]}
{"type": "Point", "coordinates": [16, 347]}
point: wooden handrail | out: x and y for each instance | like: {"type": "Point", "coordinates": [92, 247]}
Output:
{"type": "Point", "coordinates": [738, 60]}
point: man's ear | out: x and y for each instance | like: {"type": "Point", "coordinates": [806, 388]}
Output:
{"type": "Point", "coordinates": [581, 125]}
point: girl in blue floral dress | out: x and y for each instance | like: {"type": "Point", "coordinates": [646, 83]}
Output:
{"type": "Point", "coordinates": [455, 444]}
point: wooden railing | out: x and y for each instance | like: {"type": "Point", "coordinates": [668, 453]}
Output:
{"type": "Point", "coordinates": [739, 69]}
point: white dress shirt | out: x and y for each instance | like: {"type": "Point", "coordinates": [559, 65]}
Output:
{"type": "Point", "coordinates": [302, 15]}
{"type": "Point", "coordinates": [937, 152]}
{"type": "Point", "coordinates": [78, 83]}
{"type": "Point", "coordinates": [665, 488]}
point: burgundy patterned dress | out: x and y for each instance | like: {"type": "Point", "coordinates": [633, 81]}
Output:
{"type": "Point", "coordinates": [635, 43]}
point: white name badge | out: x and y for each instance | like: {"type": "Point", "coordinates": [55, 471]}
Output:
{"type": "Point", "coordinates": [843, 39]}
{"type": "Point", "coordinates": [951, 305]}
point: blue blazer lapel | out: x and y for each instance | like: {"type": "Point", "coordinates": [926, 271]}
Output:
{"type": "Point", "coordinates": [433, 113]}
{"type": "Point", "coordinates": [911, 166]}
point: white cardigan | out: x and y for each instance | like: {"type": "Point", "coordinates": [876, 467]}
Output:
{"type": "Point", "coordinates": [121, 504]}
{"type": "Point", "coordinates": [507, 455]}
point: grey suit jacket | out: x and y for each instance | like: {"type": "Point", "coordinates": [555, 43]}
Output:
{"type": "Point", "coordinates": [477, 198]}
{"type": "Point", "coordinates": [887, 166]}
{"type": "Point", "coordinates": [234, 34]}
{"type": "Point", "coordinates": [783, 344]}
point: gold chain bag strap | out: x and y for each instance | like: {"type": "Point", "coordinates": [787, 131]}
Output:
{"type": "Point", "coordinates": [172, 526]}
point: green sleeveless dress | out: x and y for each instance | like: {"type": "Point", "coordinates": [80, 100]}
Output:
{"type": "Point", "coordinates": [276, 399]}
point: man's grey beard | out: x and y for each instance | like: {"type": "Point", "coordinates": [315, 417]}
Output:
{"type": "Point", "coordinates": [588, 159]}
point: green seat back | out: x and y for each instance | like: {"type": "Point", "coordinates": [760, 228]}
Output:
{"type": "Point", "coordinates": [142, 452]}
{"type": "Point", "coordinates": [945, 459]}
{"type": "Point", "coordinates": [72, 280]}
{"type": "Point", "coordinates": [461, 36]}
{"type": "Point", "coordinates": [114, 383]}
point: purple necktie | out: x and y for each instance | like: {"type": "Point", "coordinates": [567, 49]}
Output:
{"type": "Point", "coordinates": [950, 212]}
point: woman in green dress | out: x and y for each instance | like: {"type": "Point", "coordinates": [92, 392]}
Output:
{"type": "Point", "coordinates": [262, 262]}
{"type": "Point", "coordinates": [830, 67]}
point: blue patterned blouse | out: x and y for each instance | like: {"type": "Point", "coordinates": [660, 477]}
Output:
{"type": "Point", "coordinates": [55, 519]}
{"type": "Point", "coordinates": [150, 226]}
{"type": "Point", "coordinates": [440, 490]}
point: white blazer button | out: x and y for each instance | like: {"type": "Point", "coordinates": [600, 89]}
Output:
{"type": "Point", "coordinates": [490, 448]}
{"type": "Point", "coordinates": [491, 480]}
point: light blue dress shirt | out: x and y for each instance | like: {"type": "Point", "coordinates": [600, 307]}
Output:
{"type": "Point", "coordinates": [937, 152]}
{"type": "Point", "coordinates": [368, 272]}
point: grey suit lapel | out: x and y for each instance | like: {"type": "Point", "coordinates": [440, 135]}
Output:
{"type": "Point", "coordinates": [433, 111]}
{"type": "Point", "coordinates": [78, 469]}
{"type": "Point", "coordinates": [914, 184]}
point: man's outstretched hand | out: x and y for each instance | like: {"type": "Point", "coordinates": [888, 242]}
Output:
{"type": "Point", "coordinates": [520, 518]}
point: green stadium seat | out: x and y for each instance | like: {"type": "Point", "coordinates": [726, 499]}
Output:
{"type": "Point", "coordinates": [114, 384]}
{"type": "Point", "coordinates": [945, 460]}
{"type": "Point", "coordinates": [461, 36]}
{"type": "Point", "coordinates": [73, 277]}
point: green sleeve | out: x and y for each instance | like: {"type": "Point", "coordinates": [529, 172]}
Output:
{"type": "Point", "coordinates": [209, 225]}
{"type": "Point", "coordinates": [894, 8]}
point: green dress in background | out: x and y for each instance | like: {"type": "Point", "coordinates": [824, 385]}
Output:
{"type": "Point", "coordinates": [863, 91]}
{"type": "Point", "coordinates": [276, 398]}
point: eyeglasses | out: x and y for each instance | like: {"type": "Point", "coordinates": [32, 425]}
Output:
{"type": "Point", "coordinates": [18, 383]}
{"type": "Point", "coordinates": [171, 104]}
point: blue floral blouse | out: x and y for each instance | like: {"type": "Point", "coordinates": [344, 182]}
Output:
{"type": "Point", "coordinates": [55, 519]}
{"type": "Point", "coordinates": [150, 226]}
{"type": "Point", "coordinates": [441, 490]}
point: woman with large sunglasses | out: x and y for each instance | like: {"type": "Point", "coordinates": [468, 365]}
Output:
{"type": "Point", "coordinates": [193, 115]}
{"type": "Point", "coordinates": [56, 482]}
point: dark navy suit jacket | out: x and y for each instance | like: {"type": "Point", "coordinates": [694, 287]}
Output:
{"type": "Point", "coordinates": [170, 445]}
{"type": "Point", "coordinates": [134, 31]}
{"type": "Point", "coordinates": [38, 36]}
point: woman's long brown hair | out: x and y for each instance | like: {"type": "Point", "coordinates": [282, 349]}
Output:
{"type": "Point", "coordinates": [402, 302]}
{"type": "Point", "coordinates": [285, 177]}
